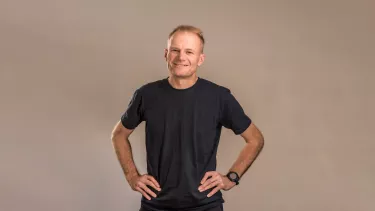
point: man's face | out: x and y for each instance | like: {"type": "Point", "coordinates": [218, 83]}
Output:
{"type": "Point", "coordinates": [184, 54]}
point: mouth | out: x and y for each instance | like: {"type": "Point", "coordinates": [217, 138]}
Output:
{"type": "Point", "coordinates": [180, 65]}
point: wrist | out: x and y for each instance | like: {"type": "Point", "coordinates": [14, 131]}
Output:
{"type": "Point", "coordinates": [131, 177]}
{"type": "Point", "coordinates": [228, 184]}
{"type": "Point", "coordinates": [233, 177]}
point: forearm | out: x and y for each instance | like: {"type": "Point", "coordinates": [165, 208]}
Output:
{"type": "Point", "coordinates": [125, 157]}
{"type": "Point", "coordinates": [247, 156]}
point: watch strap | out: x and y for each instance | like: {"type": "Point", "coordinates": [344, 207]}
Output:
{"type": "Point", "coordinates": [234, 179]}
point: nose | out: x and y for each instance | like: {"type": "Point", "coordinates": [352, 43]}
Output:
{"type": "Point", "coordinates": [181, 56]}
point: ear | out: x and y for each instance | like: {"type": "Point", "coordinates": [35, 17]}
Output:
{"type": "Point", "coordinates": [165, 53]}
{"type": "Point", "coordinates": [201, 59]}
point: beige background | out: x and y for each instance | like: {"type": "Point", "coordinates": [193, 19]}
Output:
{"type": "Point", "coordinates": [303, 70]}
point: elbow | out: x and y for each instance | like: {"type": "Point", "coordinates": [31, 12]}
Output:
{"type": "Point", "coordinates": [115, 134]}
{"type": "Point", "coordinates": [261, 143]}
{"type": "Point", "coordinates": [258, 142]}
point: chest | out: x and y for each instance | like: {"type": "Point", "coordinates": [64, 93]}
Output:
{"type": "Point", "coordinates": [198, 111]}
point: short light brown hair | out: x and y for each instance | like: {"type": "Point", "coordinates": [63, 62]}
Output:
{"type": "Point", "coordinates": [189, 28]}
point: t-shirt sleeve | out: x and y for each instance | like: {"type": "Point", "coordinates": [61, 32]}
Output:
{"type": "Point", "coordinates": [133, 115]}
{"type": "Point", "coordinates": [232, 114]}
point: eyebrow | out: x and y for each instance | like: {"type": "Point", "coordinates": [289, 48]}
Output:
{"type": "Point", "coordinates": [188, 49]}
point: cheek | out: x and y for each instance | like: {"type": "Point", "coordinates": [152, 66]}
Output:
{"type": "Point", "coordinates": [171, 57]}
{"type": "Point", "coordinates": [195, 61]}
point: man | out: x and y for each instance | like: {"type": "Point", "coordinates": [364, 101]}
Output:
{"type": "Point", "coordinates": [184, 115]}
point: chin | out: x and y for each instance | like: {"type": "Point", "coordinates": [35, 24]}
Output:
{"type": "Point", "coordinates": [180, 74]}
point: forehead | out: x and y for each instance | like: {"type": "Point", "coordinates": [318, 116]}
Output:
{"type": "Point", "coordinates": [184, 40]}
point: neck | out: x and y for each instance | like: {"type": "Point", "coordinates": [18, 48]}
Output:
{"type": "Point", "coordinates": [182, 83]}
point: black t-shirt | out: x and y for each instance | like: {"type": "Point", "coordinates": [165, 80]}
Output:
{"type": "Point", "coordinates": [183, 128]}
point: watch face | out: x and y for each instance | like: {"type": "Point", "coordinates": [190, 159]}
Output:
{"type": "Point", "coordinates": [233, 176]}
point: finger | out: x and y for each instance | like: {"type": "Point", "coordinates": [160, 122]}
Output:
{"type": "Point", "coordinates": [143, 193]}
{"type": "Point", "coordinates": [206, 175]}
{"type": "Point", "coordinates": [150, 183]}
{"type": "Point", "coordinates": [153, 180]}
{"type": "Point", "coordinates": [205, 184]}
{"type": "Point", "coordinates": [145, 188]}
{"type": "Point", "coordinates": [209, 181]}
{"type": "Point", "coordinates": [213, 184]}
{"type": "Point", "coordinates": [213, 179]}
{"type": "Point", "coordinates": [213, 191]}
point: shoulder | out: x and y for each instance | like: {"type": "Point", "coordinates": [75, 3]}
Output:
{"type": "Point", "coordinates": [213, 86]}
{"type": "Point", "coordinates": [221, 93]}
{"type": "Point", "coordinates": [150, 87]}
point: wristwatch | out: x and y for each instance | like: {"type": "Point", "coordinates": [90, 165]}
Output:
{"type": "Point", "coordinates": [233, 176]}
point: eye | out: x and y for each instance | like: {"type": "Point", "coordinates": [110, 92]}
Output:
{"type": "Point", "coordinates": [189, 52]}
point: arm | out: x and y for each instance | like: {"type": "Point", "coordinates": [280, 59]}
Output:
{"type": "Point", "coordinates": [254, 144]}
{"type": "Point", "coordinates": [122, 147]}
{"type": "Point", "coordinates": [232, 116]}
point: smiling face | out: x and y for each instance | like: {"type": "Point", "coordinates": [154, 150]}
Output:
{"type": "Point", "coordinates": [184, 54]}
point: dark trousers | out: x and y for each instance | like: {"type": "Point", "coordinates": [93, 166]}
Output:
{"type": "Point", "coordinates": [218, 208]}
